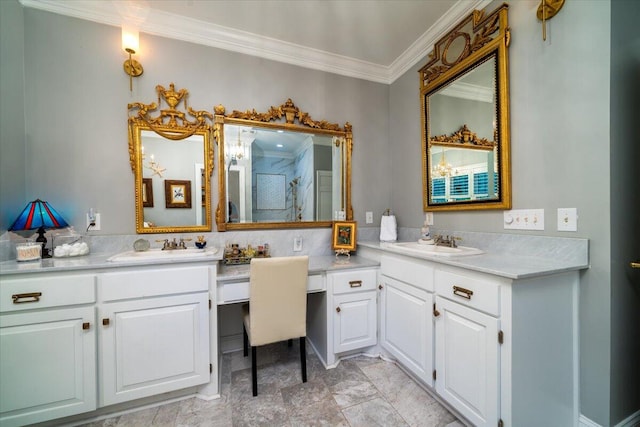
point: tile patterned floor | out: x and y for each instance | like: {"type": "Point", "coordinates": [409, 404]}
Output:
{"type": "Point", "coordinates": [361, 391]}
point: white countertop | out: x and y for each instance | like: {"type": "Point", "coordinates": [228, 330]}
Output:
{"type": "Point", "coordinates": [91, 262]}
{"type": "Point", "coordinates": [507, 265]}
{"type": "Point", "coordinates": [317, 264]}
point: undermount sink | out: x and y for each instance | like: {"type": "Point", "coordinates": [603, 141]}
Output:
{"type": "Point", "coordinates": [162, 255]}
{"type": "Point", "coordinates": [445, 251]}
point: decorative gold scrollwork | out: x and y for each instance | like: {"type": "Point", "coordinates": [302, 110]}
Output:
{"type": "Point", "coordinates": [463, 137]}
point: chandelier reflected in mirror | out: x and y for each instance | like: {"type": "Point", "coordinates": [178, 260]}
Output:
{"type": "Point", "coordinates": [443, 169]}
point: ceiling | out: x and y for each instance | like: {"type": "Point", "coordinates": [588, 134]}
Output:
{"type": "Point", "coordinates": [375, 40]}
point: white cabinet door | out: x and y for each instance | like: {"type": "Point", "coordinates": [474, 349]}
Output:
{"type": "Point", "coordinates": [468, 361]}
{"type": "Point", "coordinates": [47, 365]}
{"type": "Point", "coordinates": [153, 346]}
{"type": "Point", "coordinates": [354, 321]}
{"type": "Point", "coordinates": [406, 326]}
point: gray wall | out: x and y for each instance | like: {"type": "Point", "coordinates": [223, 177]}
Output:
{"type": "Point", "coordinates": [12, 132]}
{"type": "Point", "coordinates": [560, 158]}
{"type": "Point", "coordinates": [76, 95]}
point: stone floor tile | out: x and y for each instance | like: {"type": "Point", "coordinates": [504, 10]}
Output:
{"type": "Point", "coordinates": [376, 412]}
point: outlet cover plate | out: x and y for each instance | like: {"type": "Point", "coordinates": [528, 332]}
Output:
{"type": "Point", "coordinates": [369, 216]}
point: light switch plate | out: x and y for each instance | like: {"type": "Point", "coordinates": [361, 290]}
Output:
{"type": "Point", "coordinates": [428, 218]}
{"type": "Point", "coordinates": [524, 219]}
{"type": "Point", "coordinates": [567, 219]}
{"type": "Point", "coordinates": [369, 218]}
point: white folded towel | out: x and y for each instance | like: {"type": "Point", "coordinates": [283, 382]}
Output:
{"type": "Point", "coordinates": [388, 226]}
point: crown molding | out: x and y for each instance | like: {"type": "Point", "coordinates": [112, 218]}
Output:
{"type": "Point", "coordinates": [469, 91]}
{"type": "Point", "coordinates": [172, 26]}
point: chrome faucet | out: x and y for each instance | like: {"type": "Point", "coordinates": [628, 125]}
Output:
{"type": "Point", "coordinates": [450, 241]}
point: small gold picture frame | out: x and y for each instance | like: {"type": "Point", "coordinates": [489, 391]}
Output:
{"type": "Point", "coordinates": [177, 193]}
{"type": "Point", "coordinates": [147, 192]}
{"type": "Point", "coordinates": [344, 236]}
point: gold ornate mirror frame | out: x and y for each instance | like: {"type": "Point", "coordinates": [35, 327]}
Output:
{"type": "Point", "coordinates": [479, 40]}
{"type": "Point", "coordinates": [288, 118]}
{"type": "Point", "coordinates": [171, 124]}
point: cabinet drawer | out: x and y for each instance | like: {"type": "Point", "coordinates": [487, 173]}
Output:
{"type": "Point", "coordinates": [239, 291]}
{"type": "Point", "coordinates": [479, 294]}
{"type": "Point", "coordinates": [141, 283]}
{"type": "Point", "coordinates": [353, 281]}
{"type": "Point", "coordinates": [46, 291]}
{"type": "Point", "coordinates": [416, 273]}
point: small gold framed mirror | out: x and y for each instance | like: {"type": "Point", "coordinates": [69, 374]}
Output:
{"type": "Point", "coordinates": [171, 157]}
{"type": "Point", "coordinates": [464, 90]}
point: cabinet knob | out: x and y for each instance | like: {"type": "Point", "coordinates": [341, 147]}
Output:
{"type": "Point", "coordinates": [436, 313]}
{"type": "Point", "coordinates": [380, 287]}
{"type": "Point", "coordinates": [338, 309]}
{"type": "Point", "coordinates": [86, 325]}
{"type": "Point", "coordinates": [105, 322]}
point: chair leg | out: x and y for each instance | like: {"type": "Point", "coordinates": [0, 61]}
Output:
{"type": "Point", "coordinates": [254, 371]}
{"type": "Point", "coordinates": [303, 358]}
{"type": "Point", "coordinates": [246, 341]}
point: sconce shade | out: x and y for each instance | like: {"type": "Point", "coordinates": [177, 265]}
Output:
{"type": "Point", "coordinates": [38, 214]}
{"type": "Point", "coordinates": [130, 39]}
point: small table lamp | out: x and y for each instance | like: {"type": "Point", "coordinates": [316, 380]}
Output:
{"type": "Point", "coordinates": [39, 215]}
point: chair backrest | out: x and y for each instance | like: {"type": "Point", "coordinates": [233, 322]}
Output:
{"type": "Point", "coordinates": [278, 299]}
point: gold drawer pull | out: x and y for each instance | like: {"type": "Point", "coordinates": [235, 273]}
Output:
{"type": "Point", "coordinates": [462, 292]}
{"type": "Point", "coordinates": [29, 297]}
{"type": "Point", "coordinates": [635, 264]}
{"type": "Point", "coordinates": [355, 283]}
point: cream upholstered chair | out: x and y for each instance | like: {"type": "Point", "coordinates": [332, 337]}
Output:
{"type": "Point", "coordinates": [277, 309]}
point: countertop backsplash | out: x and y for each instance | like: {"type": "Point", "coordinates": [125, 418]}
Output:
{"type": "Point", "coordinates": [317, 241]}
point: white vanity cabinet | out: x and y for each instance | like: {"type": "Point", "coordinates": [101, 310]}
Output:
{"type": "Point", "coordinates": [153, 331]}
{"type": "Point", "coordinates": [467, 346]}
{"type": "Point", "coordinates": [500, 351]}
{"type": "Point", "coordinates": [406, 304]}
{"type": "Point", "coordinates": [47, 347]}
{"type": "Point", "coordinates": [352, 309]}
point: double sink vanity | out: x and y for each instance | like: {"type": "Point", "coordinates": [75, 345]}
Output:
{"type": "Point", "coordinates": [493, 335]}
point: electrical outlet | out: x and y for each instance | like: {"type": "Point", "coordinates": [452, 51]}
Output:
{"type": "Point", "coordinates": [524, 219]}
{"type": "Point", "coordinates": [369, 218]}
{"type": "Point", "coordinates": [96, 222]}
{"type": "Point", "coordinates": [567, 219]}
{"type": "Point", "coordinates": [297, 244]}
{"type": "Point", "coordinates": [428, 218]}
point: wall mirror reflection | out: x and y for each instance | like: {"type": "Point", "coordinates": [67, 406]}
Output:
{"type": "Point", "coordinates": [172, 161]}
{"type": "Point", "coordinates": [277, 174]}
{"type": "Point", "coordinates": [464, 89]}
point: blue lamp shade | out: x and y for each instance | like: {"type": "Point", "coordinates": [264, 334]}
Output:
{"type": "Point", "coordinates": [38, 214]}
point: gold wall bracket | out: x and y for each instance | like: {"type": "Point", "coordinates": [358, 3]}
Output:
{"type": "Point", "coordinates": [547, 10]}
{"type": "Point", "coordinates": [132, 67]}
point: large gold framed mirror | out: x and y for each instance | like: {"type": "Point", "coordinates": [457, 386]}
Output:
{"type": "Point", "coordinates": [281, 169]}
{"type": "Point", "coordinates": [172, 161]}
{"type": "Point", "coordinates": [464, 91]}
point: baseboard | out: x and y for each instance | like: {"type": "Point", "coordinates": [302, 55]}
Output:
{"type": "Point", "coordinates": [586, 422]}
{"type": "Point", "coordinates": [632, 420]}
{"type": "Point", "coordinates": [231, 343]}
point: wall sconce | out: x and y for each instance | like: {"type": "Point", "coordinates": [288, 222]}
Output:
{"type": "Point", "coordinates": [131, 44]}
{"type": "Point", "coordinates": [547, 10]}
